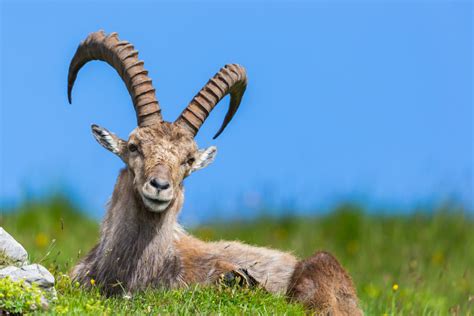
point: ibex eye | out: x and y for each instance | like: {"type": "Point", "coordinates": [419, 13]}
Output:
{"type": "Point", "coordinates": [132, 147]}
{"type": "Point", "coordinates": [190, 161]}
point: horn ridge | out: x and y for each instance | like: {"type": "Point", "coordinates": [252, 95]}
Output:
{"type": "Point", "coordinates": [123, 57]}
{"type": "Point", "coordinates": [231, 79]}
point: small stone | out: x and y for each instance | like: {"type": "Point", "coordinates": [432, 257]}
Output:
{"type": "Point", "coordinates": [31, 273]}
{"type": "Point", "coordinates": [10, 250]}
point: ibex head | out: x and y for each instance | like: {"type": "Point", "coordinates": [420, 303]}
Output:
{"type": "Point", "coordinates": [159, 154]}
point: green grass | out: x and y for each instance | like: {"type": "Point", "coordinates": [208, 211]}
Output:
{"type": "Point", "coordinates": [429, 257]}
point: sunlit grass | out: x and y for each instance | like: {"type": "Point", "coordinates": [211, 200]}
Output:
{"type": "Point", "coordinates": [417, 264]}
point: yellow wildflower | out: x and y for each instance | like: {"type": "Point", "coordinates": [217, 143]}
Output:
{"type": "Point", "coordinates": [395, 287]}
{"type": "Point", "coordinates": [41, 240]}
{"type": "Point", "coordinates": [92, 282]}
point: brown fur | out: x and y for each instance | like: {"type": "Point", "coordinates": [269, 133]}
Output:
{"type": "Point", "coordinates": [323, 286]}
{"type": "Point", "coordinates": [141, 244]}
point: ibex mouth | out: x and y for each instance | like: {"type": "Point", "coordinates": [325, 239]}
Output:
{"type": "Point", "coordinates": [155, 204]}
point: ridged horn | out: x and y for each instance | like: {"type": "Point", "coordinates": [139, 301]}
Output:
{"type": "Point", "coordinates": [231, 79]}
{"type": "Point", "coordinates": [122, 56]}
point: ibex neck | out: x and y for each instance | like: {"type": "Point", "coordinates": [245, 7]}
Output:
{"type": "Point", "coordinates": [136, 248]}
{"type": "Point", "coordinates": [128, 221]}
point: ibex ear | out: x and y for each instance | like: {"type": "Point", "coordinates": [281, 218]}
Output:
{"type": "Point", "coordinates": [204, 157]}
{"type": "Point", "coordinates": [108, 140]}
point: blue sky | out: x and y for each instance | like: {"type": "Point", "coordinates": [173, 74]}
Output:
{"type": "Point", "coordinates": [365, 100]}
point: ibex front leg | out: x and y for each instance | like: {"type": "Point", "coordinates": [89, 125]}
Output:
{"type": "Point", "coordinates": [215, 271]}
{"type": "Point", "coordinates": [205, 262]}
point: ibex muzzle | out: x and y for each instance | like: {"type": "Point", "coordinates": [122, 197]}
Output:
{"type": "Point", "coordinates": [157, 192]}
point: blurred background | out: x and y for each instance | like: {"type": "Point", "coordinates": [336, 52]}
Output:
{"type": "Point", "coordinates": [355, 134]}
{"type": "Point", "coordinates": [347, 100]}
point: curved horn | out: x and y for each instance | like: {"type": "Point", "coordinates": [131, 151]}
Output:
{"type": "Point", "coordinates": [124, 58]}
{"type": "Point", "coordinates": [230, 79]}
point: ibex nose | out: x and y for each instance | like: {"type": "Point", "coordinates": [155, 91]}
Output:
{"type": "Point", "coordinates": [159, 184]}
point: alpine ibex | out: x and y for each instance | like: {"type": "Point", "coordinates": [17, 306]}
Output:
{"type": "Point", "coordinates": [141, 244]}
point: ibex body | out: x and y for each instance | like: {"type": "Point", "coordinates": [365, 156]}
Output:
{"type": "Point", "coordinates": [141, 243]}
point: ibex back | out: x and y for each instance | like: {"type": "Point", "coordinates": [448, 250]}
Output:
{"type": "Point", "coordinates": [141, 244]}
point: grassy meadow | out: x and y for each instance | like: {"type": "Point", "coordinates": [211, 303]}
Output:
{"type": "Point", "coordinates": [417, 264]}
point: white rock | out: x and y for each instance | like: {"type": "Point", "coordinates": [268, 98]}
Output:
{"type": "Point", "coordinates": [31, 273]}
{"type": "Point", "coordinates": [12, 249]}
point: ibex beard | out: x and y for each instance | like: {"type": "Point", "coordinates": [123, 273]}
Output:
{"type": "Point", "coordinates": [141, 244]}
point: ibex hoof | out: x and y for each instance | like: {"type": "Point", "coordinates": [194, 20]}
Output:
{"type": "Point", "coordinates": [239, 277]}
